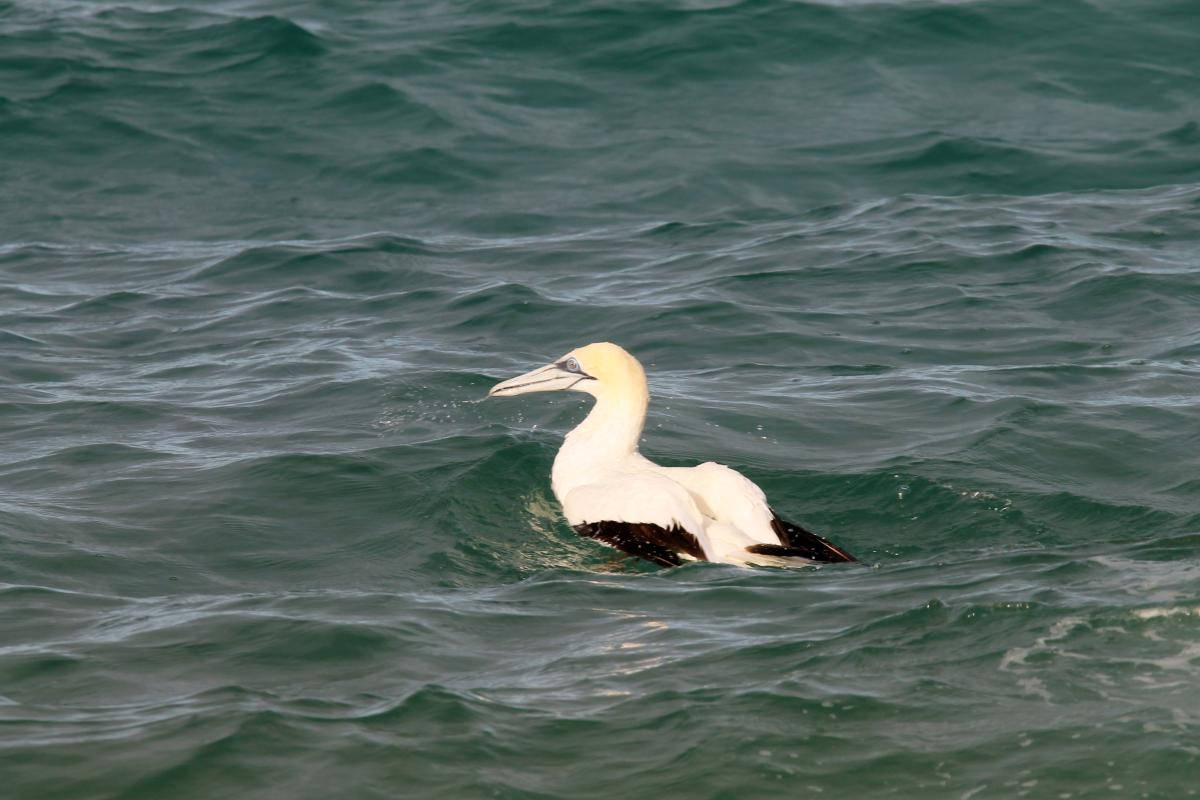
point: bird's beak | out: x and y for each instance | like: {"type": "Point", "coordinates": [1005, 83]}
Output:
{"type": "Point", "coordinates": [549, 378]}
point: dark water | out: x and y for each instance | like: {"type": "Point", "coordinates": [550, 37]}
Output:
{"type": "Point", "coordinates": [928, 272]}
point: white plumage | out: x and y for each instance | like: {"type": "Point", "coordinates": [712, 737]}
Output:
{"type": "Point", "coordinates": [611, 492]}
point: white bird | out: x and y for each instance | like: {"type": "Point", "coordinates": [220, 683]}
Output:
{"type": "Point", "coordinates": [611, 492]}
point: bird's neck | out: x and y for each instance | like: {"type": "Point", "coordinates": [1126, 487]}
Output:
{"type": "Point", "coordinates": [606, 437]}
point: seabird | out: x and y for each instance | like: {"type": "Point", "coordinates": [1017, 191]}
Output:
{"type": "Point", "coordinates": [611, 492]}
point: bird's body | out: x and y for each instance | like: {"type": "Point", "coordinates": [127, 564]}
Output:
{"type": "Point", "coordinates": [611, 492]}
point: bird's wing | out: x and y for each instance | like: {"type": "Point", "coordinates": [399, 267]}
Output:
{"type": "Point", "coordinates": [740, 512]}
{"type": "Point", "coordinates": [667, 547]}
{"type": "Point", "coordinates": [640, 512]}
{"type": "Point", "coordinates": [728, 497]}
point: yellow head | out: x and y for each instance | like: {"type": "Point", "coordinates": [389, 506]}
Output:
{"type": "Point", "coordinates": [600, 369]}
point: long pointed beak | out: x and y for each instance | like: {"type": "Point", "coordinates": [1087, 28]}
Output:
{"type": "Point", "coordinates": [549, 378]}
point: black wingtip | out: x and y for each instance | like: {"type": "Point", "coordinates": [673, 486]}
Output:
{"type": "Point", "coordinates": [646, 540]}
{"type": "Point", "coordinates": [802, 543]}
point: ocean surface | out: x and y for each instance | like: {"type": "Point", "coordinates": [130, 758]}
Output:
{"type": "Point", "coordinates": [928, 272]}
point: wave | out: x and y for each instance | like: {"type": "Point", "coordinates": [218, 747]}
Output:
{"type": "Point", "coordinates": [576, 111]}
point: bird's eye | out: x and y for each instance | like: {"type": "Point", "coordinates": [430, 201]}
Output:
{"type": "Point", "coordinates": [572, 365]}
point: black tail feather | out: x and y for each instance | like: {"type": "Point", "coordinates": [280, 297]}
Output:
{"type": "Point", "coordinates": [796, 542]}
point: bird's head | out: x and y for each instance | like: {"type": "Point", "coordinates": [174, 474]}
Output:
{"type": "Point", "coordinates": [599, 369]}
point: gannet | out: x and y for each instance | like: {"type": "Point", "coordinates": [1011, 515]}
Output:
{"type": "Point", "coordinates": [611, 492]}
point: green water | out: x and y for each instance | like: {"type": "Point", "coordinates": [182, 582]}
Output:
{"type": "Point", "coordinates": [927, 272]}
